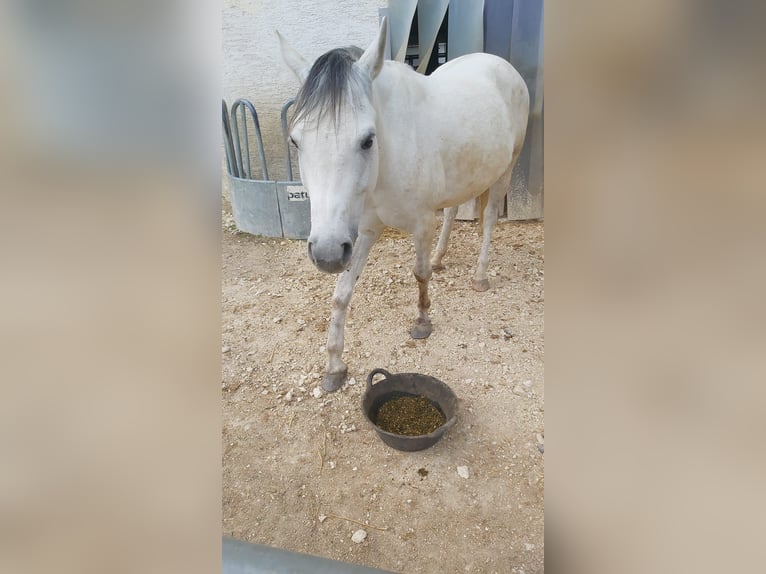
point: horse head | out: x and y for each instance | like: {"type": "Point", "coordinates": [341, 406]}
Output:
{"type": "Point", "coordinates": [334, 130]}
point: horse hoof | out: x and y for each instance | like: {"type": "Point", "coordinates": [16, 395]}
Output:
{"type": "Point", "coordinates": [480, 284]}
{"type": "Point", "coordinates": [437, 267]}
{"type": "Point", "coordinates": [333, 381]}
{"type": "Point", "coordinates": [421, 330]}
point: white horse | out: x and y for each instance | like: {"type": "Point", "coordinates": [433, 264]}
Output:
{"type": "Point", "coordinates": [381, 145]}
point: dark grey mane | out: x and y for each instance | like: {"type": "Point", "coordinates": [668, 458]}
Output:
{"type": "Point", "coordinates": [331, 80]}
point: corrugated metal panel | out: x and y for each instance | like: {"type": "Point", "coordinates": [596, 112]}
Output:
{"type": "Point", "coordinates": [400, 13]}
{"type": "Point", "coordinates": [430, 17]}
{"type": "Point", "coordinates": [465, 28]}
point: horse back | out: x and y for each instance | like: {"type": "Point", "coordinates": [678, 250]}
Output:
{"type": "Point", "coordinates": [453, 132]}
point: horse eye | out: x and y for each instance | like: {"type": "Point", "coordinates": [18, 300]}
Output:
{"type": "Point", "coordinates": [292, 141]}
{"type": "Point", "coordinates": [367, 144]}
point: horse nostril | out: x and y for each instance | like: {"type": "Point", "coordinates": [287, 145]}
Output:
{"type": "Point", "coordinates": [347, 248]}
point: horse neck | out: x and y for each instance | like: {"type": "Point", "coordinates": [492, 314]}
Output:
{"type": "Point", "coordinates": [398, 97]}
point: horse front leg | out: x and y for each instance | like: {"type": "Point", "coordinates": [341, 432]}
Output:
{"type": "Point", "coordinates": [422, 271]}
{"type": "Point", "coordinates": [336, 370]}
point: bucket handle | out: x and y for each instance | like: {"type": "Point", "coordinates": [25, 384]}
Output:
{"type": "Point", "coordinates": [377, 372]}
{"type": "Point", "coordinates": [450, 422]}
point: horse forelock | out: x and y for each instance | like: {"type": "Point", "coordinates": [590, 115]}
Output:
{"type": "Point", "coordinates": [331, 80]}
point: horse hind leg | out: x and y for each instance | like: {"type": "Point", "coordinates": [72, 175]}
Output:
{"type": "Point", "coordinates": [491, 202]}
{"type": "Point", "coordinates": [441, 246]}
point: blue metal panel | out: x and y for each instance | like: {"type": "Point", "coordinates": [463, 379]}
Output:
{"type": "Point", "coordinates": [498, 19]}
{"type": "Point", "coordinates": [465, 30]}
{"type": "Point", "coordinates": [514, 30]}
{"type": "Point", "coordinates": [525, 199]}
{"type": "Point", "coordinates": [526, 42]}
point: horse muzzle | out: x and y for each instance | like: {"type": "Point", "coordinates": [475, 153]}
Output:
{"type": "Point", "coordinates": [330, 256]}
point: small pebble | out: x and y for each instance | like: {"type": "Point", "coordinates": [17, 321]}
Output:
{"type": "Point", "coordinates": [288, 396]}
{"type": "Point", "coordinates": [462, 472]}
{"type": "Point", "coordinates": [352, 381]}
{"type": "Point", "coordinates": [518, 390]}
{"type": "Point", "coordinates": [322, 518]}
{"type": "Point", "coordinates": [317, 392]}
{"type": "Point", "coordinates": [527, 383]}
{"type": "Point", "coordinates": [233, 386]}
{"type": "Point", "coordinates": [225, 349]}
{"type": "Point", "coordinates": [277, 319]}
{"type": "Point", "coordinates": [331, 464]}
{"type": "Point", "coordinates": [358, 536]}
{"type": "Point", "coordinates": [529, 546]}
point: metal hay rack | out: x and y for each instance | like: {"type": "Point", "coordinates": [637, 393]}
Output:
{"type": "Point", "coordinates": [262, 206]}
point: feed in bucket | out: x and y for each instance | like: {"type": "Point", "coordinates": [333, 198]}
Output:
{"type": "Point", "coordinates": [411, 416]}
{"type": "Point", "coordinates": [416, 409]}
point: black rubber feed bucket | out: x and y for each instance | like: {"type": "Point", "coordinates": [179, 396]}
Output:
{"type": "Point", "coordinates": [408, 385]}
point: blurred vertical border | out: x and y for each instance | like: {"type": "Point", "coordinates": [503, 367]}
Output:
{"type": "Point", "coordinates": [110, 289]}
{"type": "Point", "coordinates": [110, 318]}
{"type": "Point", "coordinates": [655, 275]}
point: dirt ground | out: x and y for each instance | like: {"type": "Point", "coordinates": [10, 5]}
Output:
{"type": "Point", "coordinates": [305, 473]}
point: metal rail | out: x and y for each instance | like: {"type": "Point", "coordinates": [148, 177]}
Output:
{"type": "Point", "coordinates": [240, 557]}
{"type": "Point", "coordinates": [243, 106]}
{"type": "Point", "coordinates": [286, 139]}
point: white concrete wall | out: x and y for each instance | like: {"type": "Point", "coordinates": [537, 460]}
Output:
{"type": "Point", "coordinates": [253, 68]}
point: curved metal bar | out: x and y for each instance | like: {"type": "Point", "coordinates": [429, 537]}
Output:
{"type": "Point", "coordinates": [237, 141]}
{"type": "Point", "coordinates": [288, 160]}
{"type": "Point", "coordinates": [227, 141]}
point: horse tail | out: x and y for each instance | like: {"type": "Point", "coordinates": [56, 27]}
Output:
{"type": "Point", "coordinates": [483, 200]}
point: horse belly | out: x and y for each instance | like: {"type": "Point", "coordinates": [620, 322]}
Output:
{"type": "Point", "coordinates": [482, 123]}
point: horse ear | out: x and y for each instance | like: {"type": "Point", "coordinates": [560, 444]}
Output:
{"type": "Point", "coordinates": [372, 59]}
{"type": "Point", "coordinates": [293, 59]}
